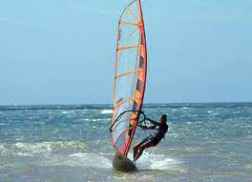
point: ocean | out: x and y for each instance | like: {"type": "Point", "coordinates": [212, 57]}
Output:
{"type": "Point", "coordinates": [209, 142]}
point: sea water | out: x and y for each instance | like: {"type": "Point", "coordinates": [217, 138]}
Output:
{"type": "Point", "coordinates": [62, 143]}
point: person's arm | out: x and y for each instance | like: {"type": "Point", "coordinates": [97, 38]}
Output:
{"type": "Point", "coordinates": [151, 127]}
{"type": "Point", "coordinates": [155, 123]}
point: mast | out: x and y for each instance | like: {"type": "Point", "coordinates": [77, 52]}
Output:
{"type": "Point", "coordinates": [139, 96]}
{"type": "Point", "coordinates": [143, 34]}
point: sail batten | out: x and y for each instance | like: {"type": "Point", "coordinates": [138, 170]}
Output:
{"type": "Point", "coordinates": [127, 47]}
{"type": "Point", "coordinates": [130, 76]}
{"type": "Point", "coordinates": [129, 23]}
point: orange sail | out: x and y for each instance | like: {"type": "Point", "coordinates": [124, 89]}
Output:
{"type": "Point", "coordinates": [130, 76]}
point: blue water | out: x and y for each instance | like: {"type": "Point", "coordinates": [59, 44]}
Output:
{"type": "Point", "coordinates": [206, 142]}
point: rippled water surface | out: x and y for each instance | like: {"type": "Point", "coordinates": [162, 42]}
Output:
{"type": "Point", "coordinates": [206, 142]}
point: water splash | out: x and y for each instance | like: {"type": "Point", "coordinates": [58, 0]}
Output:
{"type": "Point", "coordinates": [159, 162]}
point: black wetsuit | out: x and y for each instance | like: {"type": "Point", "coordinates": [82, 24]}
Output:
{"type": "Point", "coordinates": [162, 129]}
{"type": "Point", "coordinates": [154, 140]}
{"type": "Point", "coordinates": [151, 140]}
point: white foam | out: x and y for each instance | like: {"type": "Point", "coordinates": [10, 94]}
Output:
{"type": "Point", "coordinates": [35, 147]}
{"type": "Point", "coordinates": [100, 119]}
{"type": "Point", "coordinates": [80, 160]}
{"type": "Point", "coordinates": [106, 111]}
{"type": "Point", "coordinates": [92, 160]}
{"type": "Point", "coordinates": [24, 154]}
{"type": "Point", "coordinates": [44, 148]}
{"type": "Point", "coordinates": [249, 166]}
{"type": "Point", "coordinates": [2, 150]}
{"type": "Point", "coordinates": [185, 108]}
{"type": "Point", "coordinates": [66, 112]}
{"type": "Point", "coordinates": [159, 162]}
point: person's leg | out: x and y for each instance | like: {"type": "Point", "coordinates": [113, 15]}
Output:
{"type": "Point", "coordinates": [146, 140]}
{"type": "Point", "coordinates": [152, 143]}
{"type": "Point", "coordinates": [138, 153]}
{"type": "Point", "coordinates": [138, 149]}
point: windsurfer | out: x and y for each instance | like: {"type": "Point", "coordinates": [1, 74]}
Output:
{"type": "Point", "coordinates": [151, 141]}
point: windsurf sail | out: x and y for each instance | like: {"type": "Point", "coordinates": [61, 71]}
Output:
{"type": "Point", "coordinates": [130, 77]}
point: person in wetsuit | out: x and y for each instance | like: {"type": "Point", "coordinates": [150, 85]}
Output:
{"type": "Point", "coordinates": [161, 127]}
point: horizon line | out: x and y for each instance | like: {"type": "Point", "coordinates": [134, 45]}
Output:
{"type": "Point", "coordinates": [148, 103]}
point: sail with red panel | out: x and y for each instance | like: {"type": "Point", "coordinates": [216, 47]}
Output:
{"type": "Point", "coordinates": [129, 78]}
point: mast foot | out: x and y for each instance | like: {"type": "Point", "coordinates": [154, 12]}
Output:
{"type": "Point", "coordinates": [123, 164]}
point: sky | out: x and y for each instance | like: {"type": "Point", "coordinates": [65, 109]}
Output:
{"type": "Point", "coordinates": [62, 52]}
